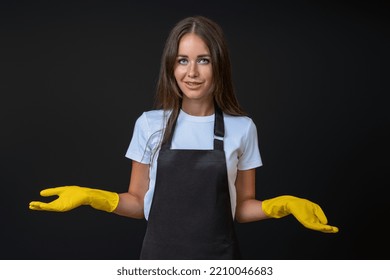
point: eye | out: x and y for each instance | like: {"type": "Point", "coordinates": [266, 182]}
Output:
{"type": "Point", "coordinates": [182, 61]}
{"type": "Point", "coordinates": [203, 60]}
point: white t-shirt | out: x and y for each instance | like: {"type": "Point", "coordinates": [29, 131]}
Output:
{"type": "Point", "coordinates": [196, 133]}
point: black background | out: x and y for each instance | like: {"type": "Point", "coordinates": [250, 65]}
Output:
{"type": "Point", "coordinates": [313, 75]}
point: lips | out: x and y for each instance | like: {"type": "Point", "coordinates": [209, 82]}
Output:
{"type": "Point", "coordinates": [193, 85]}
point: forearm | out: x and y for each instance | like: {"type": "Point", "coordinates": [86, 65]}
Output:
{"type": "Point", "coordinates": [250, 210]}
{"type": "Point", "coordinates": [130, 206]}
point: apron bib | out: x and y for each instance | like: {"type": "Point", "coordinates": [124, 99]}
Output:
{"type": "Point", "coordinates": [190, 215]}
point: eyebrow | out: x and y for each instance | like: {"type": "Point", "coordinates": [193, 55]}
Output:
{"type": "Point", "coordinates": [201, 55]}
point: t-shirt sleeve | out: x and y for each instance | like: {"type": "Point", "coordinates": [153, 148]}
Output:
{"type": "Point", "coordinates": [138, 147]}
{"type": "Point", "coordinates": [250, 156]}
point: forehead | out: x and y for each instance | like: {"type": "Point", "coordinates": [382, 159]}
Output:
{"type": "Point", "coordinates": [191, 42]}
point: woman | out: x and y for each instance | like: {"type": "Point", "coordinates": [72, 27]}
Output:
{"type": "Point", "coordinates": [193, 159]}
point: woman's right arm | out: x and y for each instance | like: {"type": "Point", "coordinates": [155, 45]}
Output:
{"type": "Point", "coordinates": [131, 203]}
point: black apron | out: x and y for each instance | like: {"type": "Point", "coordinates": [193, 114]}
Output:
{"type": "Point", "coordinates": [190, 215]}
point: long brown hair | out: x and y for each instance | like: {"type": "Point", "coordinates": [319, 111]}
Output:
{"type": "Point", "coordinates": [168, 94]}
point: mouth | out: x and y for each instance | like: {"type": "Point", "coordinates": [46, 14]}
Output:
{"type": "Point", "coordinates": [193, 84]}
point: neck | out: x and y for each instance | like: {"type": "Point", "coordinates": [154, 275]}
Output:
{"type": "Point", "coordinates": [198, 108]}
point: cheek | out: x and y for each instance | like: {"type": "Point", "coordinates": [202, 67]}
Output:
{"type": "Point", "coordinates": [208, 72]}
{"type": "Point", "coordinates": [209, 76]}
{"type": "Point", "coordinates": [178, 73]}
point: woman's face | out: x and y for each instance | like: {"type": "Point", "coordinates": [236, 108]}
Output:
{"type": "Point", "coordinates": [193, 70]}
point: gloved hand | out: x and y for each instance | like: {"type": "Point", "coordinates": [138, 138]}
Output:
{"type": "Point", "coordinates": [70, 197]}
{"type": "Point", "coordinates": [306, 212]}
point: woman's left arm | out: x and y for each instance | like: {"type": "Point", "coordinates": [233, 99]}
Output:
{"type": "Point", "coordinates": [308, 213]}
{"type": "Point", "coordinates": [248, 208]}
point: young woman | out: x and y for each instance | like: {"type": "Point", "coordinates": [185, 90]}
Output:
{"type": "Point", "coordinates": [193, 159]}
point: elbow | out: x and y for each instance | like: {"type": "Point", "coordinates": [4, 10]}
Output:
{"type": "Point", "coordinates": [139, 215]}
{"type": "Point", "coordinates": [240, 218]}
{"type": "Point", "coordinates": [248, 212]}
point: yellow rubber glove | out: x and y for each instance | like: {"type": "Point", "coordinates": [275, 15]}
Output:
{"type": "Point", "coordinates": [306, 212]}
{"type": "Point", "coordinates": [70, 197]}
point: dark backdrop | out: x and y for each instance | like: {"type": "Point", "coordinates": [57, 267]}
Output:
{"type": "Point", "coordinates": [313, 76]}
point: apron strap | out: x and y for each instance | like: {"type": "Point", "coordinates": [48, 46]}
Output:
{"type": "Point", "coordinates": [219, 128]}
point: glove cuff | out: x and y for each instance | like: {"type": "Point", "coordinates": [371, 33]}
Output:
{"type": "Point", "coordinates": [277, 207]}
{"type": "Point", "coordinates": [103, 200]}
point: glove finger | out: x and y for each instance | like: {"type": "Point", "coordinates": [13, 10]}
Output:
{"type": "Point", "coordinates": [331, 229]}
{"type": "Point", "coordinates": [42, 206]}
{"type": "Point", "coordinates": [321, 227]}
{"type": "Point", "coordinates": [37, 205]}
{"type": "Point", "coordinates": [320, 214]}
{"type": "Point", "coordinates": [326, 228]}
{"type": "Point", "coordinates": [51, 191]}
{"type": "Point", "coordinates": [34, 205]}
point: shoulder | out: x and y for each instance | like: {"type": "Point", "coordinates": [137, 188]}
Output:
{"type": "Point", "coordinates": [152, 119]}
{"type": "Point", "coordinates": [238, 121]}
{"type": "Point", "coordinates": [151, 122]}
{"type": "Point", "coordinates": [240, 128]}
{"type": "Point", "coordinates": [153, 115]}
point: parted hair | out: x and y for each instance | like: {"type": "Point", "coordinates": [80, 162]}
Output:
{"type": "Point", "coordinates": [168, 94]}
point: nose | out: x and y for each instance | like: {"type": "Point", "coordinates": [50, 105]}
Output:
{"type": "Point", "coordinates": [192, 70]}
